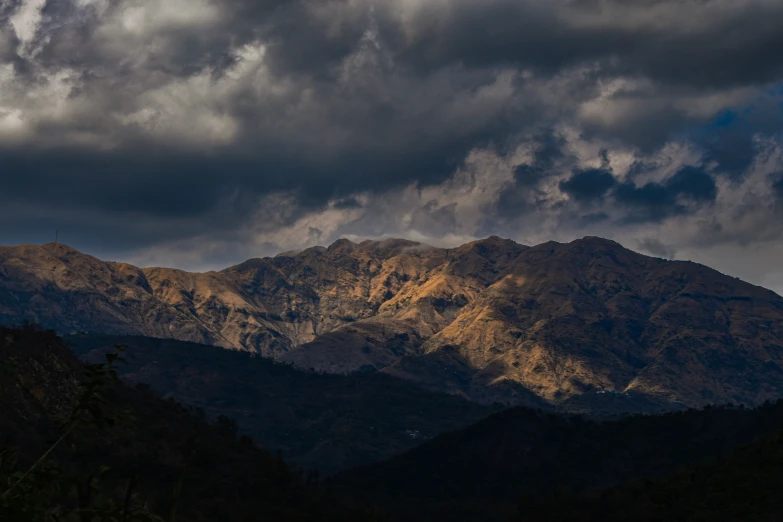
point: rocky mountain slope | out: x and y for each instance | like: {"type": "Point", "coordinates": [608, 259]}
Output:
{"type": "Point", "coordinates": [492, 320]}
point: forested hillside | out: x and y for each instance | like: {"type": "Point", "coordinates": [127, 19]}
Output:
{"type": "Point", "coordinates": [481, 471]}
{"type": "Point", "coordinates": [744, 487]}
{"type": "Point", "coordinates": [78, 446]}
{"type": "Point", "coordinates": [322, 421]}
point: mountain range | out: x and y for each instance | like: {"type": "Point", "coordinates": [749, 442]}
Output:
{"type": "Point", "coordinates": [567, 324]}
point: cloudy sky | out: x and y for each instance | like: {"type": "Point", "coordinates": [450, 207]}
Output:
{"type": "Point", "coordinates": [198, 133]}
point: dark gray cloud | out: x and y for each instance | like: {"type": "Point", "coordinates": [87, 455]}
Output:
{"type": "Point", "coordinates": [588, 185]}
{"type": "Point", "coordinates": [689, 188]}
{"type": "Point", "coordinates": [777, 185]}
{"type": "Point", "coordinates": [348, 203]}
{"type": "Point", "coordinates": [656, 248]}
{"type": "Point", "coordinates": [690, 43]}
{"type": "Point", "coordinates": [731, 146]}
{"type": "Point", "coordinates": [435, 220]}
{"type": "Point", "coordinates": [593, 218]}
{"type": "Point", "coordinates": [210, 130]}
{"type": "Point", "coordinates": [550, 148]}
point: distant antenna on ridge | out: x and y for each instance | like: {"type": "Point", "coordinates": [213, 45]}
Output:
{"type": "Point", "coordinates": [56, 235]}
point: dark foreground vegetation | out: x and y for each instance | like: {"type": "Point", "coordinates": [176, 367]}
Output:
{"type": "Point", "coordinates": [745, 487]}
{"type": "Point", "coordinates": [78, 445]}
{"type": "Point", "coordinates": [559, 466]}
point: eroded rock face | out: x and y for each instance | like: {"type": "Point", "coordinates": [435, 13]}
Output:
{"type": "Point", "coordinates": [491, 320]}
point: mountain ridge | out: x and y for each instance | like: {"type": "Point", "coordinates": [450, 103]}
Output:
{"type": "Point", "coordinates": [491, 320]}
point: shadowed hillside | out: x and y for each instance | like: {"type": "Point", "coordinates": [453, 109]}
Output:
{"type": "Point", "coordinates": [479, 473]}
{"type": "Point", "coordinates": [328, 422]}
{"type": "Point", "coordinates": [746, 486]}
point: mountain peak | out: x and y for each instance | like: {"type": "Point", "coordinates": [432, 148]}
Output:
{"type": "Point", "coordinates": [590, 245]}
{"type": "Point", "coordinates": [596, 240]}
{"type": "Point", "coordinates": [63, 253]}
{"type": "Point", "coordinates": [493, 247]}
{"type": "Point", "coordinates": [391, 247]}
{"type": "Point", "coordinates": [61, 249]}
{"type": "Point", "coordinates": [495, 241]}
{"type": "Point", "coordinates": [342, 245]}
{"type": "Point", "coordinates": [391, 242]}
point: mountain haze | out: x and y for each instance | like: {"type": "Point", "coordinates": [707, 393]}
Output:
{"type": "Point", "coordinates": [491, 320]}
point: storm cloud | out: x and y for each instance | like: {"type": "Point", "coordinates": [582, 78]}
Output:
{"type": "Point", "coordinates": [201, 132]}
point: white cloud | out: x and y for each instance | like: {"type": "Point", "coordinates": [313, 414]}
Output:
{"type": "Point", "coordinates": [143, 18]}
{"type": "Point", "coordinates": [27, 19]}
